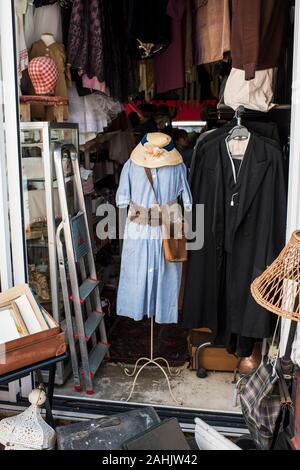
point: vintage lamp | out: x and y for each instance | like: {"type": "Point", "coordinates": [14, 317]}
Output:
{"type": "Point", "coordinates": [278, 288]}
{"type": "Point", "coordinates": [28, 430]}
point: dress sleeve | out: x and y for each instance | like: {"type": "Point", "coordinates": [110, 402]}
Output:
{"type": "Point", "coordinates": [123, 196]}
{"type": "Point", "coordinates": [184, 189]}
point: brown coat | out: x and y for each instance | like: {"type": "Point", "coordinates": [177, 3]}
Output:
{"type": "Point", "coordinates": [212, 30]}
{"type": "Point", "coordinates": [258, 29]}
{"type": "Point", "coordinates": [56, 52]}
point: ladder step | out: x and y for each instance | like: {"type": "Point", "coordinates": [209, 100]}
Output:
{"type": "Point", "coordinates": [92, 324]}
{"type": "Point", "coordinates": [86, 289]}
{"type": "Point", "coordinates": [96, 357]}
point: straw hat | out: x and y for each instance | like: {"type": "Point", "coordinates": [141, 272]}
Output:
{"type": "Point", "coordinates": [155, 151]}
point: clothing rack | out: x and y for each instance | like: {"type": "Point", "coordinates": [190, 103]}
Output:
{"type": "Point", "coordinates": [281, 115]}
{"type": "Point", "coordinates": [225, 113]}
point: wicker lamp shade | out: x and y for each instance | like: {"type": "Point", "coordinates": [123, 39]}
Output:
{"type": "Point", "coordinates": [278, 288]}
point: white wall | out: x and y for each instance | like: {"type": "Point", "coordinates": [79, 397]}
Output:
{"type": "Point", "coordinates": [12, 253]}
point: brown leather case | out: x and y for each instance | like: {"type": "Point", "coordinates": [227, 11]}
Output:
{"type": "Point", "coordinates": [31, 349]}
{"type": "Point", "coordinates": [211, 357]}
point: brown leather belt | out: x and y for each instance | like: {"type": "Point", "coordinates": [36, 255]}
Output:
{"type": "Point", "coordinates": [143, 216]}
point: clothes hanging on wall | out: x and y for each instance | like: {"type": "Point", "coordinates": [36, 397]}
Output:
{"type": "Point", "coordinates": [47, 19]}
{"type": "Point", "coordinates": [209, 80]}
{"type": "Point", "coordinates": [121, 71]}
{"type": "Point", "coordinates": [66, 12]}
{"type": "Point", "coordinates": [94, 84]}
{"type": "Point", "coordinates": [244, 231]}
{"type": "Point", "coordinates": [149, 286]}
{"type": "Point", "coordinates": [21, 8]}
{"type": "Point", "coordinates": [146, 78]}
{"type": "Point", "coordinates": [85, 43]}
{"type": "Point", "coordinates": [256, 94]}
{"type": "Point", "coordinates": [93, 113]}
{"type": "Point", "coordinates": [258, 34]}
{"type": "Point", "coordinates": [188, 38]}
{"type": "Point", "coordinates": [211, 30]}
{"type": "Point", "coordinates": [149, 27]}
{"type": "Point", "coordinates": [29, 25]}
{"type": "Point", "coordinates": [169, 63]}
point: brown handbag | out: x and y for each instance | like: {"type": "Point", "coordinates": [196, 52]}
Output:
{"type": "Point", "coordinates": [174, 240]}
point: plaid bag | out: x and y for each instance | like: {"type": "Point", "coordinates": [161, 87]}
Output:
{"type": "Point", "coordinates": [261, 404]}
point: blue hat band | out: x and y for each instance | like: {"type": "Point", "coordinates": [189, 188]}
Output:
{"type": "Point", "coordinates": [168, 147]}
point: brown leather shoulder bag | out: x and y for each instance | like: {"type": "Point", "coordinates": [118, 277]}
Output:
{"type": "Point", "coordinates": [174, 241]}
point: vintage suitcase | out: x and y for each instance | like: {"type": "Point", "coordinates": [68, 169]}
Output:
{"type": "Point", "coordinates": [106, 433]}
{"type": "Point", "coordinates": [214, 358]}
{"type": "Point", "coordinates": [33, 348]}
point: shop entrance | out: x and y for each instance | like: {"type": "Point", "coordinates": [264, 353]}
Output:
{"type": "Point", "coordinates": [106, 127]}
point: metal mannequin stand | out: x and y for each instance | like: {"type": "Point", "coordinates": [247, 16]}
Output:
{"type": "Point", "coordinates": [151, 361]}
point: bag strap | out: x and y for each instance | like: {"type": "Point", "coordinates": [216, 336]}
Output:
{"type": "Point", "coordinates": [150, 179]}
{"type": "Point", "coordinates": [285, 396]}
{"type": "Point", "coordinates": [289, 346]}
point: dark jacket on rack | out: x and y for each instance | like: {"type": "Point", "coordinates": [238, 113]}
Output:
{"type": "Point", "coordinates": [267, 129]}
{"type": "Point", "coordinates": [258, 33]}
{"type": "Point", "coordinates": [241, 240]}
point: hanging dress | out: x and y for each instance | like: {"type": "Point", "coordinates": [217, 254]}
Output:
{"type": "Point", "coordinates": [47, 19]}
{"type": "Point", "coordinates": [169, 63]}
{"type": "Point", "coordinates": [85, 44]}
{"type": "Point", "coordinates": [21, 7]}
{"type": "Point", "coordinates": [149, 285]}
{"type": "Point", "coordinates": [93, 113]}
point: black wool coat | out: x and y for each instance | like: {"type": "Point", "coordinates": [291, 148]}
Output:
{"type": "Point", "coordinates": [244, 231]}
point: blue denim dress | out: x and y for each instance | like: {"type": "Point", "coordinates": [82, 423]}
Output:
{"type": "Point", "coordinates": [149, 285]}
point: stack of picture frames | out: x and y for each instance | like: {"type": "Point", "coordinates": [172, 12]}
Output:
{"type": "Point", "coordinates": [28, 334]}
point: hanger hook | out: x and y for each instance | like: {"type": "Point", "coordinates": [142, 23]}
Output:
{"type": "Point", "coordinates": [238, 114]}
